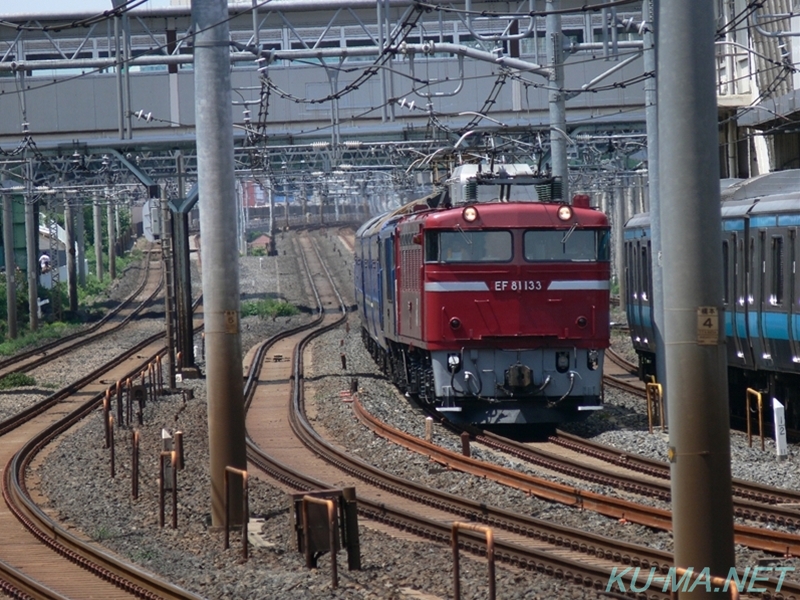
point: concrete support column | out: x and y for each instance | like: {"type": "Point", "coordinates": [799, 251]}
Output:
{"type": "Point", "coordinates": [31, 229]}
{"type": "Point", "coordinates": [112, 241]}
{"type": "Point", "coordinates": [694, 328]}
{"type": "Point", "coordinates": [72, 275]}
{"type": "Point", "coordinates": [618, 223]}
{"type": "Point", "coordinates": [80, 239]}
{"type": "Point", "coordinates": [169, 288]}
{"type": "Point", "coordinates": [221, 304]}
{"type": "Point", "coordinates": [651, 119]}
{"type": "Point", "coordinates": [555, 96]}
{"type": "Point", "coordinates": [11, 265]}
{"type": "Point", "coordinates": [183, 289]}
{"type": "Point", "coordinates": [98, 238]}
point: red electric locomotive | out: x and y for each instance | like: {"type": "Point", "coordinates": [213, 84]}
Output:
{"type": "Point", "coordinates": [495, 311]}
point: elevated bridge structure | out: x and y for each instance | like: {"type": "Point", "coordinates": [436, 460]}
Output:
{"type": "Point", "coordinates": [360, 99]}
{"type": "Point", "coordinates": [363, 92]}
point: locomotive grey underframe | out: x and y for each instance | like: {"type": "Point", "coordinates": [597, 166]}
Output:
{"type": "Point", "coordinates": [567, 396]}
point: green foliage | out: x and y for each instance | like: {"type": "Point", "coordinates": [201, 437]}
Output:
{"type": "Point", "coordinates": [258, 252]}
{"type": "Point", "coordinates": [268, 307]}
{"type": "Point", "coordinates": [49, 331]}
{"type": "Point", "coordinates": [14, 380]}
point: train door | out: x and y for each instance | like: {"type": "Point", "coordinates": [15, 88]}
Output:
{"type": "Point", "coordinates": [792, 283]}
{"type": "Point", "coordinates": [777, 319]}
{"type": "Point", "coordinates": [632, 281]}
{"type": "Point", "coordinates": [743, 295]}
{"type": "Point", "coordinates": [387, 316]}
{"type": "Point", "coordinates": [648, 314]}
{"type": "Point", "coordinates": [732, 294]}
{"type": "Point", "coordinates": [763, 299]}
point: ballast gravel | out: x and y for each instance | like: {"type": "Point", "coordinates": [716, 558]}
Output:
{"type": "Point", "coordinates": [75, 478]}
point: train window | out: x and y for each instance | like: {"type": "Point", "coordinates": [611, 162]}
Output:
{"type": "Point", "coordinates": [468, 246]}
{"type": "Point", "coordinates": [776, 297]}
{"type": "Point", "coordinates": [566, 245]}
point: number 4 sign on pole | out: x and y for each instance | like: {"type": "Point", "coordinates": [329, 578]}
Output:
{"type": "Point", "coordinates": [780, 429]}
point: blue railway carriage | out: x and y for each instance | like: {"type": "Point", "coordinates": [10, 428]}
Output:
{"type": "Point", "coordinates": [761, 294]}
{"type": "Point", "coordinates": [639, 286]}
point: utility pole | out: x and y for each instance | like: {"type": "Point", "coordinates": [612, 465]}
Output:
{"type": "Point", "coordinates": [696, 363]}
{"type": "Point", "coordinates": [169, 287]}
{"type": "Point", "coordinates": [11, 265]}
{"type": "Point", "coordinates": [31, 228]}
{"type": "Point", "coordinates": [555, 96]}
{"type": "Point", "coordinates": [649, 14]}
{"type": "Point", "coordinates": [72, 276]}
{"type": "Point", "coordinates": [112, 240]}
{"type": "Point", "coordinates": [98, 238]}
{"type": "Point", "coordinates": [221, 303]}
{"type": "Point", "coordinates": [80, 238]}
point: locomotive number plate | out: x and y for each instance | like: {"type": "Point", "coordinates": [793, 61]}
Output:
{"type": "Point", "coordinates": [707, 326]}
{"type": "Point", "coordinates": [518, 285]}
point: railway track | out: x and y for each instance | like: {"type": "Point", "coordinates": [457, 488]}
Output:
{"type": "Point", "coordinates": [115, 319]}
{"type": "Point", "coordinates": [282, 443]}
{"type": "Point", "coordinates": [39, 558]}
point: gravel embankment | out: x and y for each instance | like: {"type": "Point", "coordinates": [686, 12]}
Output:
{"type": "Point", "coordinates": [60, 372]}
{"type": "Point", "coordinates": [193, 557]}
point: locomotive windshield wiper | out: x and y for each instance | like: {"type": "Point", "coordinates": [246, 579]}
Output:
{"type": "Point", "coordinates": [464, 235]}
{"type": "Point", "coordinates": [569, 233]}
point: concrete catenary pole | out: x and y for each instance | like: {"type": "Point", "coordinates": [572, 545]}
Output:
{"type": "Point", "coordinates": [699, 444]}
{"type": "Point", "coordinates": [169, 287]}
{"type": "Point", "coordinates": [183, 275]}
{"type": "Point", "coordinates": [650, 13]}
{"type": "Point", "coordinates": [555, 96]}
{"type": "Point", "coordinates": [112, 240]}
{"type": "Point", "coordinates": [98, 238]}
{"type": "Point", "coordinates": [80, 238]}
{"type": "Point", "coordinates": [11, 265]}
{"type": "Point", "coordinates": [72, 275]}
{"type": "Point", "coordinates": [216, 187]}
{"type": "Point", "coordinates": [31, 227]}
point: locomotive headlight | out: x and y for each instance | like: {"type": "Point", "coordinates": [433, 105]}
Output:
{"type": "Point", "coordinates": [470, 214]}
{"type": "Point", "coordinates": [564, 212]}
{"type": "Point", "coordinates": [593, 360]}
{"type": "Point", "coordinates": [454, 363]}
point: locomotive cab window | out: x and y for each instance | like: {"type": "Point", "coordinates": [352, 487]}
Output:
{"type": "Point", "coordinates": [468, 246]}
{"type": "Point", "coordinates": [566, 245]}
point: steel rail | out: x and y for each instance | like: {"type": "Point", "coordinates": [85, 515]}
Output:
{"type": "Point", "coordinates": [753, 537]}
{"type": "Point", "coordinates": [759, 493]}
{"type": "Point", "coordinates": [579, 571]}
{"type": "Point", "coordinates": [104, 564]}
{"type": "Point", "coordinates": [60, 346]}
